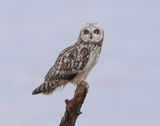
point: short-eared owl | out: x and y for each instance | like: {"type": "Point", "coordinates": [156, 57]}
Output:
{"type": "Point", "coordinates": [75, 62]}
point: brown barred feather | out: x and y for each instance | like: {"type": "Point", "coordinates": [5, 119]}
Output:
{"type": "Point", "coordinates": [73, 63]}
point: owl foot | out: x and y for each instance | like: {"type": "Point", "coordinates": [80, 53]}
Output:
{"type": "Point", "coordinates": [83, 82]}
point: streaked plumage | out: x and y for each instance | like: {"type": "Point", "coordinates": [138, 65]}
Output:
{"type": "Point", "coordinates": [75, 62]}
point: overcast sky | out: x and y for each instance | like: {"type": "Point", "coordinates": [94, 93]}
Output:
{"type": "Point", "coordinates": [124, 85]}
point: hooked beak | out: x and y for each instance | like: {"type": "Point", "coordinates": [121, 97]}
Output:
{"type": "Point", "coordinates": [91, 36]}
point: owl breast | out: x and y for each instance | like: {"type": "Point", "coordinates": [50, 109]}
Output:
{"type": "Point", "coordinates": [93, 58]}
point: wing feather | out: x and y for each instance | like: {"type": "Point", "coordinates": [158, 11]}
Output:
{"type": "Point", "coordinates": [69, 63]}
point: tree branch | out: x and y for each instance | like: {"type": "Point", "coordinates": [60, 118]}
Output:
{"type": "Point", "coordinates": [74, 105]}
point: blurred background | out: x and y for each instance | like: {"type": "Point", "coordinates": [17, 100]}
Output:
{"type": "Point", "coordinates": [124, 85]}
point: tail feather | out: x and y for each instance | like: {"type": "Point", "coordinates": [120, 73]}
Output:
{"type": "Point", "coordinates": [45, 88]}
{"type": "Point", "coordinates": [48, 87]}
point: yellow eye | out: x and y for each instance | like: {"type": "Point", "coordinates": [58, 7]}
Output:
{"type": "Point", "coordinates": [96, 31]}
{"type": "Point", "coordinates": [86, 31]}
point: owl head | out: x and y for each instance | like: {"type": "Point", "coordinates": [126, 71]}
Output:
{"type": "Point", "coordinates": [91, 33]}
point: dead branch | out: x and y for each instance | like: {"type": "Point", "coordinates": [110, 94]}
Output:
{"type": "Point", "coordinates": [74, 105]}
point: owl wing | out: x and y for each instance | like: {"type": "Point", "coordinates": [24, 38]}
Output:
{"type": "Point", "coordinates": [69, 63]}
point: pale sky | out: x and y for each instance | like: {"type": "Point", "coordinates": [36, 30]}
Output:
{"type": "Point", "coordinates": [124, 85]}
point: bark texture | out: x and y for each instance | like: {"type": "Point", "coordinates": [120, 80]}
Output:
{"type": "Point", "coordinates": [73, 106]}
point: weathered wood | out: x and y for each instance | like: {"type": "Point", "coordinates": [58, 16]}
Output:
{"type": "Point", "coordinates": [73, 106]}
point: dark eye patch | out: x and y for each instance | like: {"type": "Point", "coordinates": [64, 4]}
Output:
{"type": "Point", "coordinates": [86, 31]}
{"type": "Point", "coordinates": [96, 31]}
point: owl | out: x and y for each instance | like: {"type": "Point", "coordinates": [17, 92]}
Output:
{"type": "Point", "coordinates": [75, 62]}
